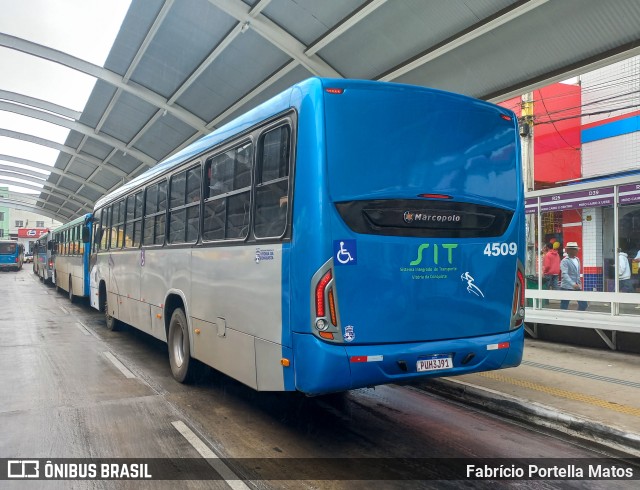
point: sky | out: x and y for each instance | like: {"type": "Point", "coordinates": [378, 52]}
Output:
{"type": "Point", "coordinates": [85, 29]}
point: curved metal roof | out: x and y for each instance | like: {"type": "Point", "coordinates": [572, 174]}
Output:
{"type": "Point", "coordinates": [180, 68]}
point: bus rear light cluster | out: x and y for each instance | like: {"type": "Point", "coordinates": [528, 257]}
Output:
{"type": "Point", "coordinates": [320, 294]}
{"type": "Point", "coordinates": [517, 308]}
{"type": "Point", "coordinates": [325, 304]}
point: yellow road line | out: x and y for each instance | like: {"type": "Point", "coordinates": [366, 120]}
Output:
{"type": "Point", "coordinates": [570, 395]}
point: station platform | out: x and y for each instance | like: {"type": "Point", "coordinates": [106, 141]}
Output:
{"type": "Point", "coordinates": [591, 394]}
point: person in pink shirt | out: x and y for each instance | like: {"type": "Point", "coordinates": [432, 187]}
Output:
{"type": "Point", "coordinates": [551, 267]}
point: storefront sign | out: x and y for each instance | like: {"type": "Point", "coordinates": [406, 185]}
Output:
{"type": "Point", "coordinates": [531, 205]}
{"type": "Point", "coordinates": [31, 232]}
{"type": "Point", "coordinates": [592, 198]}
{"type": "Point", "coordinates": [629, 194]}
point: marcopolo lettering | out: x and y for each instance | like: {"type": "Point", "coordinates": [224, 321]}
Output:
{"type": "Point", "coordinates": [412, 217]}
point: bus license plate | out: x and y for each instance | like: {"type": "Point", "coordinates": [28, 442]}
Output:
{"type": "Point", "coordinates": [435, 363]}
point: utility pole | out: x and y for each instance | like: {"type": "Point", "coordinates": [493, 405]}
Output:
{"type": "Point", "coordinates": [526, 132]}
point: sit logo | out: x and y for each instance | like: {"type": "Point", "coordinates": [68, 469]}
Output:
{"type": "Point", "coordinates": [447, 248]}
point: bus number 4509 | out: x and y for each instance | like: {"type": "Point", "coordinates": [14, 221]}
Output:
{"type": "Point", "coordinates": [498, 249]}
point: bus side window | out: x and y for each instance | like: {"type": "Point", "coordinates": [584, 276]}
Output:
{"type": "Point", "coordinates": [272, 190]}
{"type": "Point", "coordinates": [226, 209]}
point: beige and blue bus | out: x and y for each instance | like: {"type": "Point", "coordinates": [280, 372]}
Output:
{"type": "Point", "coordinates": [342, 234]}
{"type": "Point", "coordinates": [71, 257]}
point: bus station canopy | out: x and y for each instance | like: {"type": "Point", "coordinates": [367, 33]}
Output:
{"type": "Point", "coordinates": [178, 69]}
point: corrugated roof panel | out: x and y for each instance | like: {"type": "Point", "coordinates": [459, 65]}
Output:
{"type": "Point", "coordinates": [307, 20]}
{"type": "Point", "coordinates": [68, 184]}
{"type": "Point", "coordinates": [80, 168]}
{"type": "Point", "coordinates": [163, 137]}
{"type": "Point", "coordinates": [128, 117]}
{"type": "Point", "coordinates": [397, 31]}
{"type": "Point", "coordinates": [479, 73]}
{"type": "Point", "coordinates": [126, 163]}
{"type": "Point", "coordinates": [98, 102]}
{"type": "Point", "coordinates": [105, 178]}
{"type": "Point", "coordinates": [96, 148]}
{"type": "Point", "coordinates": [89, 194]}
{"type": "Point", "coordinates": [243, 65]}
{"type": "Point", "coordinates": [294, 76]}
{"type": "Point", "coordinates": [53, 200]}
{"type": "Point", "coordinates": [135, 26]}
{"type": "Point", "coordinates": [182, 42]}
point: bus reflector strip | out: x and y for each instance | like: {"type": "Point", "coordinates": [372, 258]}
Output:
{"type": "Point", "coordinates": [501, 345]}
{"type": "Point", "coordinates": [366, 358]}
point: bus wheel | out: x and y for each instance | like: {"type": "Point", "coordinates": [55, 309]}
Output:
{"type": "Point", "coordinates": [179, 350]}
{"type": "Point", "coordinates": [72, 298]}
{"type": "Point", "coordinates": [112, 323]}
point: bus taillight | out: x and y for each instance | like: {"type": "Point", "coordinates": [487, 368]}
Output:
{"type": "Point", "coordinates": [324, 308]}
{"type": "Point", "coordinates": [517, 308]}
{"type": "Point", "coordinates": [50, 264]}
{"type": "Point", "coordinates": [332, 309]}
{"type": "Point", "coordinates": [320, 290]}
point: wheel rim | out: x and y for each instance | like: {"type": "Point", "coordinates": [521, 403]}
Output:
{"type": "Point", "coordinates": [178, 345]}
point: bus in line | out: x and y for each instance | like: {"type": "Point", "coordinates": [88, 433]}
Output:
{"type": "Point", "coordinates": [71, 257]}
{"type": "Point", "coordinates": [43, 257]}
{"type": "Point", "coordinates": [11, 255]}
{"type": "Point", "coordinates": [343, 234]}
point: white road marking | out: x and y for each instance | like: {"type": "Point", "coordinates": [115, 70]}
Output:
{"type": "Point", "coordinates": [64, 310]}
{"type": "Point", "coordinates": [91, 332]}
{"type": "Point", "coordinates": [212, 458]}
{"type": "Point", "coordinates": [83, 329]}
{"type": "Point", "coordinates": [119, 365]}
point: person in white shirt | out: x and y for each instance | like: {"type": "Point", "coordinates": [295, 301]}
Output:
{"type": "Point", "coordinates": [624, 272]}
{"type": "Point", "coordinates": [570, 273]}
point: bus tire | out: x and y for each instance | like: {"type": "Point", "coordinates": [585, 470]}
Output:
{"type": "Point", "coordinates": [111, 322]}
{"type": "Point", "coordinates": [72, 298]}
{"type": "Point", "coordinates": [182, 366]}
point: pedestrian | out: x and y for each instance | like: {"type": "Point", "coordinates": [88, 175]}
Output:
{"type": "Point", "coordinates": [551, 266]}
{"type": "Point", "coordinates": [624, 272]}
{"type": "Point", "coordinates": [570, 270]}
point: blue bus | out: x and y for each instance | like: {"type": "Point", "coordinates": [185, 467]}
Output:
{"type": "Point", "coordinates": [43, 257]}
{"type": "Point", "coordinates": [71, 257]}
{"type": "Point", "coordinates": [11, 255]}
{"type": "Point", "coordinates": [343, 234]}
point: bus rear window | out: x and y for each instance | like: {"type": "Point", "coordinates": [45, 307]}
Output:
{"type": "Point", "coordinates": [418, 218]}
{"type": "Point", "coordinates": [410, 143]}
{"type": "Point", "coordinates": [7, 248]}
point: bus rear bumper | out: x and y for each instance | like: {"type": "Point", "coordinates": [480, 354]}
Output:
{"type": "Point", "coordinates": [321, 367]}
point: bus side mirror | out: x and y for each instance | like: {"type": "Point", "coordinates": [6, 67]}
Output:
{"type": "Point", "coordinates": [86, 235]}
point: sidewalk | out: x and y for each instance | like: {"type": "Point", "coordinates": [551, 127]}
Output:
{"type": "Point", "coordinates": [588, 393]}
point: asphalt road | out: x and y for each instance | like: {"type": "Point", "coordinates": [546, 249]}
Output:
{"type": "Point", "coordinates": [72, 389]}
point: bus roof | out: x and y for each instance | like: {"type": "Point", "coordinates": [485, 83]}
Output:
{"type": "Point", "coordinates": [72, 223]}
{"type": "Point", "coordinates": [276, 105]}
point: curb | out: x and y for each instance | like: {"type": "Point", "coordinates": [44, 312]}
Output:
{"type": "Point", "coordinates": [532, 412]}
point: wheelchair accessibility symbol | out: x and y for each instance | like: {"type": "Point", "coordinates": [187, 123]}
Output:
{"type": "Point", "coordinates": [345, 252]}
